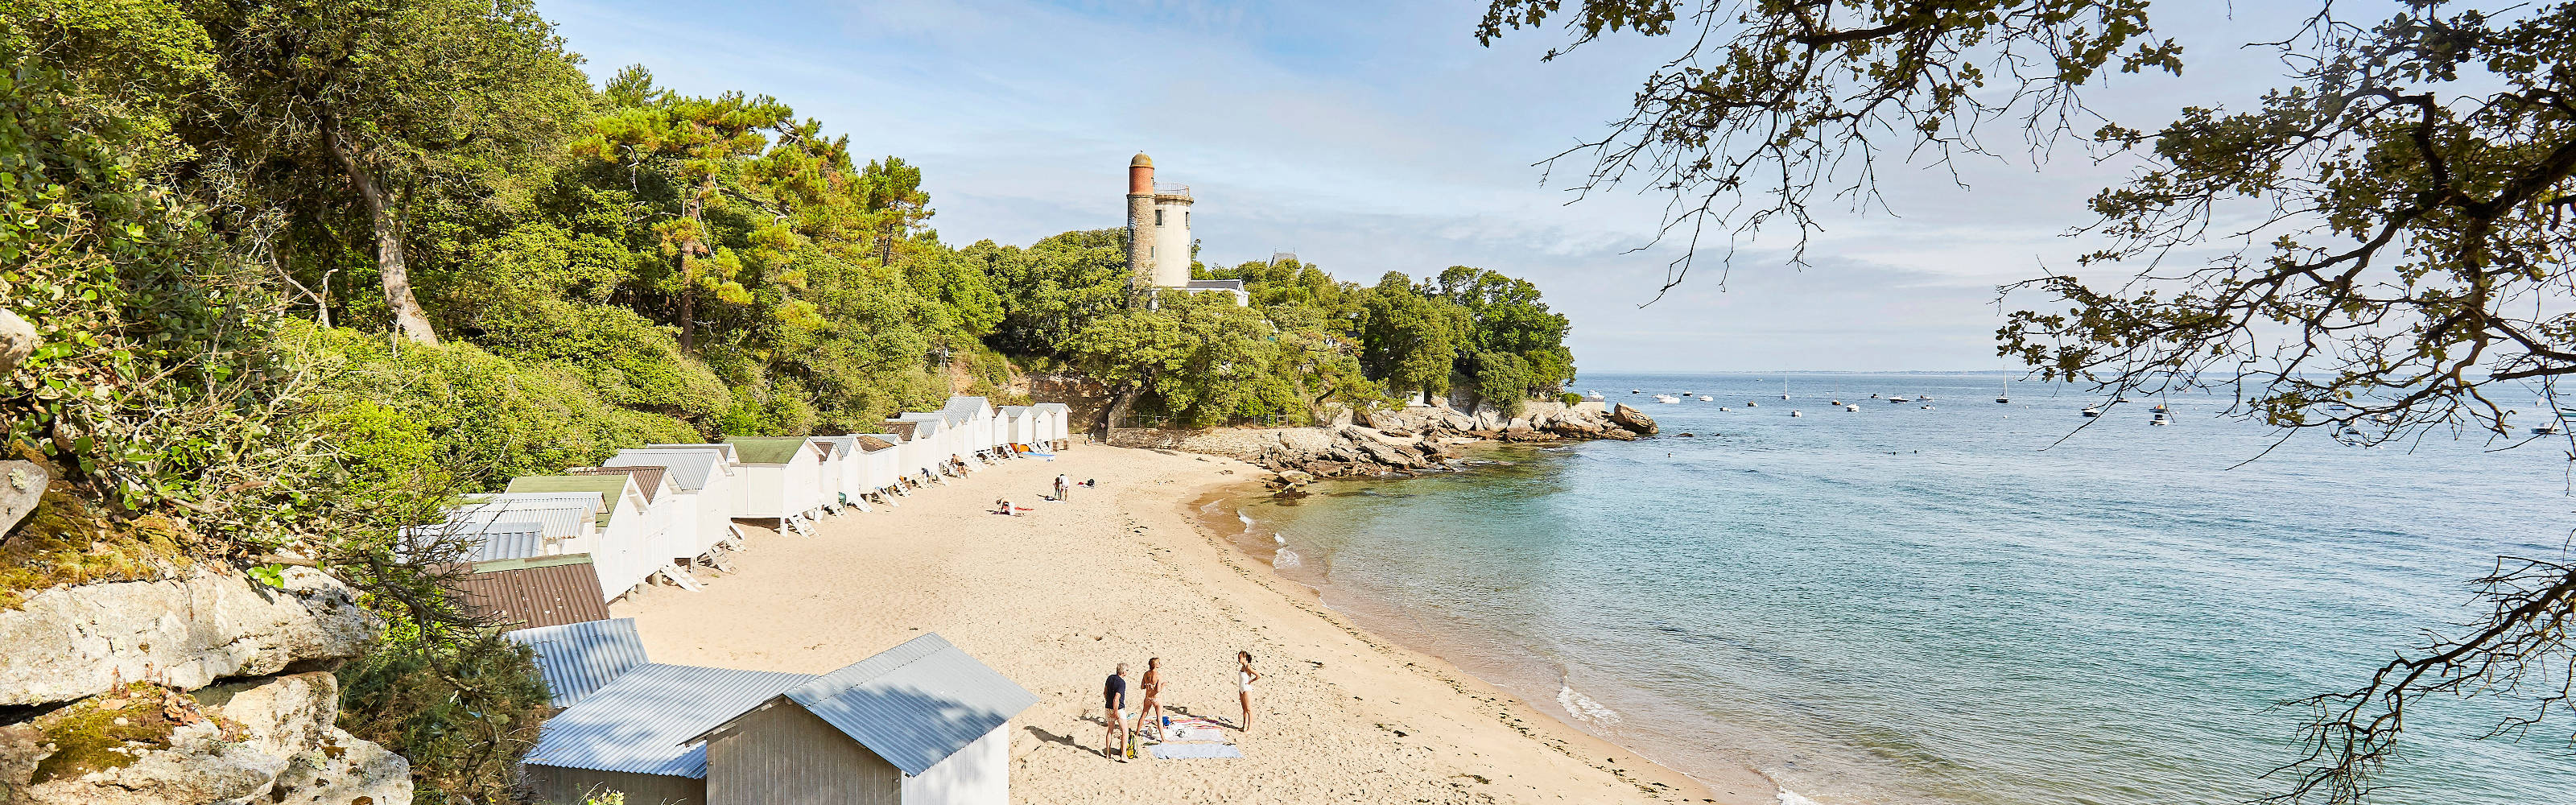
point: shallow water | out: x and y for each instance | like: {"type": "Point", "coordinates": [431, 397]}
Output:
{"type": "Point", "coordinates": [1910, 605]}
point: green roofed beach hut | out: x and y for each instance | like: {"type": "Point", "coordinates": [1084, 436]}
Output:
{"type": "Point", "coordinates": [623, 552]}
{"type": "Point", "coordinates": [780, 478]}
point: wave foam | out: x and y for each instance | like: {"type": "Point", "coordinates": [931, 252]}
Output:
{"type": "Point", "coordinates": [1286, 558]}
{"type": "Point", "coordinates": [1788, 797]}
{"type": "Point", "coordinates": [1583, 707]}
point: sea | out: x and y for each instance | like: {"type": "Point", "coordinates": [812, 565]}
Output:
{"type": "Point", "coordinates": [1951, 600]}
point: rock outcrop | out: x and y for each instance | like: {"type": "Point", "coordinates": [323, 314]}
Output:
{"type": "Point", "coordinates": [1633, 420]}
{"type": "Point", "coordinates": [72, 642]}
{"type": "Point", "coordinates": [268, 740]}
{"type": "Point", "coordinates": [17, 340]}
{"type": "Point", "coordinates": [204, 689]}
{"type": "Point", "coordinates": [22, 485]}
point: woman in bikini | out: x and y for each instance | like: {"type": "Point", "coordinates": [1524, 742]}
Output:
{"type": "Point", "coordinates": [1245, 676]}
{"type": "Point", "coordinates": [1150, 713]}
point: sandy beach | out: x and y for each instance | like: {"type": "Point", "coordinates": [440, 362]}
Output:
{"type": "Point", "coordinates": [1057, 597]}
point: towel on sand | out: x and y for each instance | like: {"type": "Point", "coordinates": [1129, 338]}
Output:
{"type": "Point", "coordinates": [1195, 751]}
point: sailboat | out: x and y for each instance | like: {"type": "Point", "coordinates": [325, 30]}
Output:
{"type": "Point", "coordinates": [1784, 388]}
{"type": "Point", "coordinates": [1667, 399]}
{"type": "Point", "coordinates": [2090, 413]}
{"type": "Point", "coordinates": [2005, 396]}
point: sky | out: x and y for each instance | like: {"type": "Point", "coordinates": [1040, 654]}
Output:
{"type": "Point", "coordinates": [1376, 137]}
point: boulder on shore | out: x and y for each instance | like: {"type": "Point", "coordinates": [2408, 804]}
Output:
{"type": "Point", "coordinates": [265, 741]}
{"type": "Point", "coordinates": [1633, 420]}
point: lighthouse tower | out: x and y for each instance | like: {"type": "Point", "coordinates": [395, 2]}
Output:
{"type": "Point", "coordinates": [1158, 229]}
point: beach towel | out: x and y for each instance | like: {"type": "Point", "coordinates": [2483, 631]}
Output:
{"type": "Point", "coordinates": [1195, 752]}
{"type": "Point", "coordinates": [1195, 738]}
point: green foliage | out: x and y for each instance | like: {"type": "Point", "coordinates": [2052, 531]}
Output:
{"type": "Point", "coordinates": [108, 731]}
{"type": "Point", "coordinates": [1410, 339]}
{"type": "Point", "coordinates": [1570, 399]}
{"type": "Point", "coordinates": [462, 710]}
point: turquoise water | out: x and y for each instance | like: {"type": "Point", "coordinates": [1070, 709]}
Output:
{"type": "Point", "coordinates": [1948, 605]}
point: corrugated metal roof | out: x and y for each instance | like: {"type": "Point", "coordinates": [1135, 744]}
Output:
{"type": "Point", "coordinates": [848, 445]}
{"type": "Point", "coordinates": [914, 704]}
{"type": "Point", "coordinates": [522, 594]}
{"type": "Point", "coordinates": [728, 450]}
{"type": "Point", "coordinates": [643, 722]}
{"type": "Point", "coordinates": [1015, 410]}
{"type": "Point", "coordinates": [961, 409]}
{"type": "Point", "coordinates": [1052, 407]}
{"type": "Point", "coordinates": [609, 488]}
{"type": "Point", "coordinates": [767, 449]}
{"type": "Point", "coordinates": [580, 658]}
{"type": "Point", "coordinates": [924, 425]}
{"type": "Point", "coordinates": [518, 538]}
{"type": "Point", "coordinates": [901, 429]}
{"type": "Point", "coordinates": [648, 477]}
{"type": "Point", "coordinates": [689, 469]}
{"type": "Point", "coordinates": [874, 442]}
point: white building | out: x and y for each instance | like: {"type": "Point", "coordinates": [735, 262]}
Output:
{"type": "Point", "coordinates": [704, 476]}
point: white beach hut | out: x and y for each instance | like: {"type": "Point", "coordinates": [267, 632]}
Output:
{"type": "Point", "coordinates": [972, 417]}
{"type": "Point", "coordinates": [567, 524]}
{"type": "Point", "coordinates": [705, 479]}
{"type": "Point", "coordinates": [1018, 424]}
{"type": "Point", "coordinates": [844, 484]}
{"type": "Point", "coordinates": [880, 462]}
{"type": "Point", "coordinates": [827, 473]}
{"type": "Point", "coordinates": [672, 540]}
{"type": "Point", "coordinates": [1055, 424]}
{"type": "Point", "coordinates": [931, 442]}
{"type": "Point", "coordinates": [629, 533]}
{"type": "Point", "coordinates": [781, 478]}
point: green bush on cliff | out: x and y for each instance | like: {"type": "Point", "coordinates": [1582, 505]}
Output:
{"type": "Point", "coordinates": [462, 710]}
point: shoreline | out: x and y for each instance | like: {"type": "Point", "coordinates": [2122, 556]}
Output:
{"type": "Point", "coordinates": [1056, 597]}
{"type": "Point", "coordinates": [1391, 626]}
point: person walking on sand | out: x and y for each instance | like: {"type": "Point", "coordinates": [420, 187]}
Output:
{"type": "Point", "coordinates": [1245, 676]}
{"type": "Point", "coordinates": [1113, 700]}
{"type": "Point", "coordinates": [1064, 492]}
{"type": "Point", "coordinates": [1152, 686]}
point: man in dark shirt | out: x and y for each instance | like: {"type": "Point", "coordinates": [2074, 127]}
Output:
{"type": "Point", "coordinates": [1113, 699]}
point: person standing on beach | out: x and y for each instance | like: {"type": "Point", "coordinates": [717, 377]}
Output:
{"type": "Point", "coordinates": [1152, 686]}
{"type": "Point", "coordinates": [1064, 492]}
{"type": "Point", "coordinates": [1245, 676]}
{"type": "Point", "coordinates": [1113, 698]}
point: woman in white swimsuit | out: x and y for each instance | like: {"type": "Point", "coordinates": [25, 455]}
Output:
{"type": "Point", "coordinates": [1245, 676]}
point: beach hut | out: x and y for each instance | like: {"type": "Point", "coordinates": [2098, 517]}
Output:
{"type": "Point", "coordinates": [1055, 424]}
{"type": "Point", "coordinates": [534, 591]}
{"type": "Point", "coordinates": [566, 523]}
{"type": "Point", "coordinates": [781, 479]}
{"type": "Point", "coordinates": [840, 472]}
{"type": "Point", "coordinates": [972, 418]}
{"type": "Point", "coordinates": [670, 542]}
{"type": "Point", "coordinates": [481, 534]}
{"type": "Point", "coordinates": [929, 723]}
{"type": "Point", "coordinates": [929, 443]}
{"type": "Point", "coordinates": [704, 477]}
{"type": "Point", "coordinates": [880, 462]}
{"type": "Point", "coordinates": [1013, 423]}
{"type": "Point", "coordinates": [629, 533]}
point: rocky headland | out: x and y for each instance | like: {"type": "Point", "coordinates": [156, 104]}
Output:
{"type": "Point", "coordinates": [1387, 443]}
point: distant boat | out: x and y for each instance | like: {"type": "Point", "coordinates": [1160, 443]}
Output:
{"type": "Point", "coordinates": [1667, 399]}
{"type": "Point", "coordinates": [1898, 399]}
{"type": "Point", "coordinates": [2005, 396]}
{"type": "Point", "coordinates": [1927, 407]}
{"type": "Point", "coordinates": [1784, 388]}
{"type": "Point", "coordinates": [1837, 402]}
{"type": "Point", "coordinates": [1794, 413]}
{"type": "Point", "coordinates": [2121, 398]}
{"type": "Point", "coordinates": [2544, 430]}
{"type": "Point", "coordinates": [2160, 420]}
{"type": "Point", "coordinates": [1851, 408]}
{"type": "Point", "coordinates": [1724, 408]}
{"type": "Point", "coordinates": [2090, 413]}
{"type": "Point", "coordinates": [1636, 391]}
{"type": "Point", "coordinates": [1752, 404]}
{"type": "Point", "coordinates": [1594, 396]}
{"type": "Point", "coordinates": [1704, 398]}
{"type": "Point", "coordinates": [1923, 397]}
{"type": "Point", "coordinates": [2160, 409]}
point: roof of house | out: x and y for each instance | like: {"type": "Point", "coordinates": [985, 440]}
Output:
{"type": "Point", "coordinates": [609, 488]}
{"type": "Point", "coordinates": [690, 470]}
{"type": "Point", "coordinates": [767, 449]}
{"type": "Point", "coordinates": [1057, 407]}
{"type": "Point", "coordinates": [648, 477]}
{"type": "Point", "coordinates": [560, 515]}
{"type": "Point", "coordinates": [577, 659]}
{"type": "Point", "coordinates": [729, 452]}
{"type": "Point", "coordinates": [844, 445]}
{"type": "Point", "coordinates": [1015, 410]}
{"type": "Point", "coordinates": [873, 442]}
{"type": "Point", "coordinates": [642, 722]}
{"type": "Point", "coordinates": [1214, 285]}
{"type": "Point", "coordinates": [925, 425]}
{"type": "Point", "coordinates": [901, 429]}
{"type": "Point", "coordinates": [914, 704]}
{"type": "Point", "coordinates": [487, 536]}
{"type": "Point", "coordinates": [535, 592]}
{"type": "Point", "coordinates": [962, 408]}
